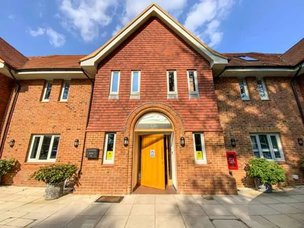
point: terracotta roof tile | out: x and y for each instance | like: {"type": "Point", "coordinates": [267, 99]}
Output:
{"type": "Point", "coordinates": [10, 55]}
{"type": "Point", "coordinates": [295, 54]}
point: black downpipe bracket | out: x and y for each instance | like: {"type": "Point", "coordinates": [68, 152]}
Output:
{"type": "Point", "coordinates": [10, 112]}
{"type": "Point", "coordinates": [294, 90]}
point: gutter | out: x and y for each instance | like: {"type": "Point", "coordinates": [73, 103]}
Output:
{"type": "Point", "coordinates": [294, 90]}
{"type": "Point", "coordinates": [11, 111]}
{"type": "Point", "coordinates": [87, 123]}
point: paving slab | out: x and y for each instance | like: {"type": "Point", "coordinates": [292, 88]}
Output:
{"type": "Point", "coordinates": [119, 209]}
{"type": "Point", "coordinates": [139, 221]}
{"type": "Point", "coordinates": [143, 209]}
{"type": "Point", "coordinates": [284, 221]}
{"type": "Point", "coordinates": [112, 221]}
{"type": "Point", "coordinates": [197, 221]}
{"type": "Point", "coordinates": [166, 209]}
{"type": "Point", "coordinates": [229, 224]}
{"type": "Point", "coordinates": [165, 221]}
{"type": "Point", "coordinates": [217, 210]}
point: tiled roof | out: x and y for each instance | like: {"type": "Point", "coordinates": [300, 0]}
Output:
{"type": "Point", "coordinates": [53, 62]}
{"type": "Point", "coordinates": [295, 54]}
{"type": "Point", "coordinates": [10, 55]}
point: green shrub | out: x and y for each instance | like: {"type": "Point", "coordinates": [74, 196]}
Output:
{"type": "Point", "coordinates": [6, 165]}
{"type": "Point", "coordinates": [54, 174]}
{"type": "Point", "coordinates": [267, 171]}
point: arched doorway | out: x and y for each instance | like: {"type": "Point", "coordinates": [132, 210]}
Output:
{"type": "Point", "coordinates": [154, 163]}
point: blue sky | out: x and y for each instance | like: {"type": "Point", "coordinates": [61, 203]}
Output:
{"type": "Point", "coordinates": [44, 27]}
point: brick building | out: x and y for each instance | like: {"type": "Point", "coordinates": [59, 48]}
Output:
{"type": "Point", "coordinates": [154, 107]}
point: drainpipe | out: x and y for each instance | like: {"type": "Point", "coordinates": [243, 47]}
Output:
{"type": "Point", "coordinates": [88, 118]}
{"type": "Point", "coordinates": [10, 112]}
{"type": "Point", "coordinates": [294, 90]}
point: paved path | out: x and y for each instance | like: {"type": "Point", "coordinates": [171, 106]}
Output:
{"type": "Point", "coordinates": [25, 207]}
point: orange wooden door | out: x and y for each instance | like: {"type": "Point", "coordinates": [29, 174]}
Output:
{"type": "Point", "coordinates": [152, 161]}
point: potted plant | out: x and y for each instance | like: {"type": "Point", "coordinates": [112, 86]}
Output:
{"type": "Point", "coordinates": [54, 176]}
{"type": "Point", "coordinates": [265, 173]}
{"type": "Point", "coordinates": [6, 165]}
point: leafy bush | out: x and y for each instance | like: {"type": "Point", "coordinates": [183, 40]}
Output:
{"type": "Point", "coordinates": [6, 165]}
{"type": "Point", "coordinates": [54, 174]}
{"type": "Point", "coordinates": [267, 171]}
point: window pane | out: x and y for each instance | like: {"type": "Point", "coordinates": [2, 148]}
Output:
{"type": "Point", "coordinates": [198, 142]}
{"type": "Point", "coordinates": [275, 146]}
{"type": "Point", "coordinates": [115, 79]}
{"type": "Point", "coordinates": [192, 82]}
{"type": "Point", "coordinates": [65, 92]}
{"type": "Point", "coordinates": [244, 90]}
{"type": "Point", "coordinates": [48, 88]}
{"type": "Point", "coordinates": [110, 146]}
{"type": "Point", "coordinates": [55, 147]}
{"type": "Point", "coordinates": [262, 89]}
{"type": "Point", "coordinates": [45, 147]}
{"type": "Point", "coordinates": [135, 85]}
{"type": "Point", "coordinates": [254, 143]}
{"type": "Point", "coordinates": [171, 82]}
{"type": "Point", "coordinates": [265, 146]}
{"type": "Point", "coordinates": [35, 147]}
{"type": "Point", "coordinates": [257, 154]}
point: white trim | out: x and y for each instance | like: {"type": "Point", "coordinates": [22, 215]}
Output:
{"type": "Point", "coordinates": [194, 93]}
{"type": "Point", "coordinates": [111, 84]}
{"type": "Point", "coordinates": [45, 90]}
{"type": "Point", "coordinates": [105, 161]}
{"type": "Point", "coordinates": [271, 149]}
{"type": "Point", "coordinates": [62, 90]}
{"type": "Point", "coordinates": [204, 160]}
{"type": "Point", "coordinates": [172, 94]}
{"type": "Point", "coordinates": [50, 75]}
{"type": "Point", "coordinates": [135, 93]}
{"type": "Point", "coordinates": [36, 159]}
{"type": "Point", "coordinates": [244, 82]}
{"type": "Point", "coordinates": [264, 88]}
{"type": "Point", "coordinates": [93, 59]}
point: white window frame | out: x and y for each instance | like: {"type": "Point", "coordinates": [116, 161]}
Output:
{"type": "Point", "coordinates": [260, 150]}
{"type": "Point", "coordinates": [172, 94]}
{"type": "Point", "coordinates": [135, 93]}
{"type": "Point", "coordinates": [243, 82]}
{"type": "Point", "coordinates": [36, 159]}
{"type": "Point", "coordinates": [204, 160]}
{"type": "Point", "coordinates": [192, 93]}
{"type": "Point", "coordinates": [264, 88]}
{"type": "Point", "coordinates": [114, 94]}
{"type": "Point", "coordinates": [44, 91]}
{"type": "Point", "coordinates": [105, 161]}
{"type": "Point", "coordinates": [62, 90]}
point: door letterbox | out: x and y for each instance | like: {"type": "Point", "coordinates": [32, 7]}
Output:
{"type": "Point", "coordinates": [232, 160]}
{"type": "Point", "coordinates": [92, 153]}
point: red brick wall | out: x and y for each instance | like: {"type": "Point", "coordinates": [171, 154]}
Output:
{"type": "Point", "coordinates": [154, 49]}
{"type": "Point", "coordinates": [5, 93]}
{"type": "Point", "coordinates": [31, 116]}
{"type": "Point", "coordinates": [279, 114]}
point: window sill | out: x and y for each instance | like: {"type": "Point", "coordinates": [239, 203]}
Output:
{"type": "Point", "coordinates": [113, 97]}
{"type": "Point", "coordinates": [172, 96]}
{"type": "Point", "coordinates": [38, 162]}
{"type": "Point", "coordinates": [107, 165]}
{"type": "Point", "coordinates": [63, 101]}
{"type": "Point", "coordinates": [135, 97]}
{"type": "Point", "coordinates": [46, 101]}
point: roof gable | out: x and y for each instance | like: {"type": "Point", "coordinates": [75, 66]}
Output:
{"type": "Point", "coordinates": [91, 61]}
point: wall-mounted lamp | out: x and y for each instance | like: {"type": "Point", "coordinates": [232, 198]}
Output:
{"type": "Point", "coordinates": [300, 141]}
{"type": "Point", "coordinates": [11, 143]}
{"type": "Point", "coordinates": [182, 141]}
{"type": "Point", "coordinates": [126, 141]}
{"type": "Point", "coordinates": [233, 142]}
{"type": "Point", "coordinates": [76, 143]}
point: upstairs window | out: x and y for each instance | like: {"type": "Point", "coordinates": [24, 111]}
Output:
{"type": "Point", "coordinates": [109, 148]}
{"type": "Point", "coordinates": [199, 148]}
{"type": "Point", "coordinates": [43, 148]}
{"type": "Point", "coordinates": [244, 90]}
{"type": "Point", "coordinates": [47, 91]}
{"type": "Point", "coordinates": [135, 83]}
{"type": "Point", "coordinates": [65, 91]}
{"type": "Point", "coordinates": [192, 83]}
{"type": "Point", "coordinates": [262, 89]}
{"type": "Point", "coordinates": [171, 84]}
{"type": "Point", "coordinates": [114, 87]}
{"type": "Point", "coordinates": [267, 146]}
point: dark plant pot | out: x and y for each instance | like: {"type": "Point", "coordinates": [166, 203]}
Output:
{"type": "Point", "coordinates": [267, 188]}
{"type": "Point", "coordinates": [53, 191]}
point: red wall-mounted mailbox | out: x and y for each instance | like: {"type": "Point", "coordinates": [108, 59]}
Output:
{"type": "Point", "coordinates": [232, 160]}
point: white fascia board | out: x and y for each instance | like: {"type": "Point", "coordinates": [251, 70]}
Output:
{"type": "Point", "coordinates": [254, 72]}
{"type": "Point", "coordinates": [154, 11]}
{"type": "Point", "coordinates": [4, 69]}
{"type": "Point", "coordinates": [50, 75]}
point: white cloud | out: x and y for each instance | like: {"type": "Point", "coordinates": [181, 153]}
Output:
{"type": "Point", "coordinates": [205, 17]}
{"type": "Point", "coordinates": [55, 38]}
{"type": "Point", "coordinates": [86, 16]}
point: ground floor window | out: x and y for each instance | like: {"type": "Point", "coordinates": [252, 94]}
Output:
{"type": "Point", "coordinates": [267, 146]}
{"type": "Point", "coordinates": [109, 149]}
{"type": "Point", "coordinates": [199, 148]}
{"type": "Point", "coordinates": [43, 148]}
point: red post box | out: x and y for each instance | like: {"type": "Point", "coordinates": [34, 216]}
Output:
{"type": "Point", "coordinates": [232, 160]}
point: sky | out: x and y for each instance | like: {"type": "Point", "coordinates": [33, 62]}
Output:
{"type": "Point", "coordinates": [44, 27]}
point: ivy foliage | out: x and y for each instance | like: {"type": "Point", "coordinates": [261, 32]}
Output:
{"type": "Point", "coordinates": [6, 165]}
{"type": "Point", "coordinates": [267, 171]}
{"type": "Point", "coordinates": [54, 174]}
